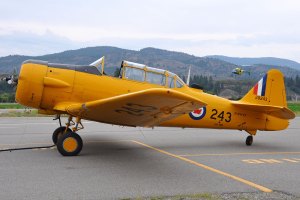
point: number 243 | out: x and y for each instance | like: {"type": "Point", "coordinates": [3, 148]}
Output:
{"type": "Point", "coordinates": [216, 114]}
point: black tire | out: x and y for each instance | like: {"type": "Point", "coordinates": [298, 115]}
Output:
{"type": "Point", "coordinates": [59, 132]}
{"type": "Point", "coordinates": [249, 140]}
{"type": "Point", "coordinates": [69, 144]}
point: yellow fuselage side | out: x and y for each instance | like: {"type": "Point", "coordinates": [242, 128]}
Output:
{"type": "Point", "coordinates": [43, 87]}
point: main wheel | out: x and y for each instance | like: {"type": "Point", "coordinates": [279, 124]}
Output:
{"type": "Point", "coordinates": [59, 132]}
{"type": "Point", "coordinates": [69, 144]}
{"type": "Point", "coordinates": [249, 140]}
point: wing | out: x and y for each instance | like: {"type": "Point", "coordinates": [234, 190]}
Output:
{"type": "Point", "coordinates": [144, 108]}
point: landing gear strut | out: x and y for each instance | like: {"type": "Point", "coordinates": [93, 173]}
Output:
{"type": "Point", "coordinates": [68, 142]}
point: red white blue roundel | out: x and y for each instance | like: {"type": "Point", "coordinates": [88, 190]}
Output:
{"type": "Point", "coordinates": [198, 113]}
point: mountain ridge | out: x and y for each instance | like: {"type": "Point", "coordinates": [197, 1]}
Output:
{"type": "Point", "coordinates": [258, 60]}
{"type": "Point", "coordinates": [173, 61]}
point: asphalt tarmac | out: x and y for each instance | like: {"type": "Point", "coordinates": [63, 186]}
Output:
{"type": "Point", "coordinates": [119, 162]}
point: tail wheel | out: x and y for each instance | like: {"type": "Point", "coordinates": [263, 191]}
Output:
{"type": "Point", "coordinates": [69, 144]}
{"type": "Point", "coordinates": [58, 133]}
{"type": "Point", "coordinates": [249, 140]}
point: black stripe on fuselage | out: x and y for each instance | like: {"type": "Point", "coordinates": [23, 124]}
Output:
{"type": "Point", "coordinates": [80, 68]}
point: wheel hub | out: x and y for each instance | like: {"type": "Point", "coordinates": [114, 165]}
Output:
{"type": "Point", "coordinates": [70, 144]}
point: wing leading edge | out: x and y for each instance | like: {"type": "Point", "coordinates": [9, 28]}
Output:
{"type": "Point", "coordinates": [145, 108]}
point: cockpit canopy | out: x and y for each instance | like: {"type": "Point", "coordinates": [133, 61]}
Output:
{"type": "Point", "coordinates": [140, 72]}
{"type": "Point", "coordinates": [143, 73]}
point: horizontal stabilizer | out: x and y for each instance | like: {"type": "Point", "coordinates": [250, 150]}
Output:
{"type": "Point", "coordinates": [276, 111]}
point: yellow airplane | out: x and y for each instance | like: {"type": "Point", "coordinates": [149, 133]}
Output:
{"type": "Point", "coordinates": [146, 97]}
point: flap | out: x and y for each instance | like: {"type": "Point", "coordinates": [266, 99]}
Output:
{"type": "Point", "coordinates": [144, 108]}
{"type": "Point", "coordinates": [276, 111]}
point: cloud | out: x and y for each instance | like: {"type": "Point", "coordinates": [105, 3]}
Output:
{"type": "Point", "coordinates": [28, 43]}
{"type": "Point", "coordinates": [251, 28]}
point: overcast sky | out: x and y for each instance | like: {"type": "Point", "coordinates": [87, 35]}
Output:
{"type": "Point", "coordinates": [254, 28]}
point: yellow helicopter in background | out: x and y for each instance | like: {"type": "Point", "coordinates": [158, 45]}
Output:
{"type": "Point", "coordinates": [239, 71]}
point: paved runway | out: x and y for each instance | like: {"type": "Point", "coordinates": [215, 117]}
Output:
{"type": "Point", "coordinates": [118, 162]}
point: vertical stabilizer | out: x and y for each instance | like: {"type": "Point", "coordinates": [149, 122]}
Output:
{"type": "Point", "coordinates": [269, 90]}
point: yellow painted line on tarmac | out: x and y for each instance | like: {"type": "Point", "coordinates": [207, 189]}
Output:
{"type": "Point", "coordinates": [271, 161]}
{"type": "Point", "coordinates": [244, 181]}
{"type": "Point", "coordinates": [253, 161]}
{"type": "Point", "coordinates": [237, 154]}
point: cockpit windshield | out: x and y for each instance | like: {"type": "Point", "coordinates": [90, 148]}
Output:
{"type": "Point", "coordinates": [99, 65]}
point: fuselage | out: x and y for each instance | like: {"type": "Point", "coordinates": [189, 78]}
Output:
{"type": "Point", "coordinates": [43, 86]}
